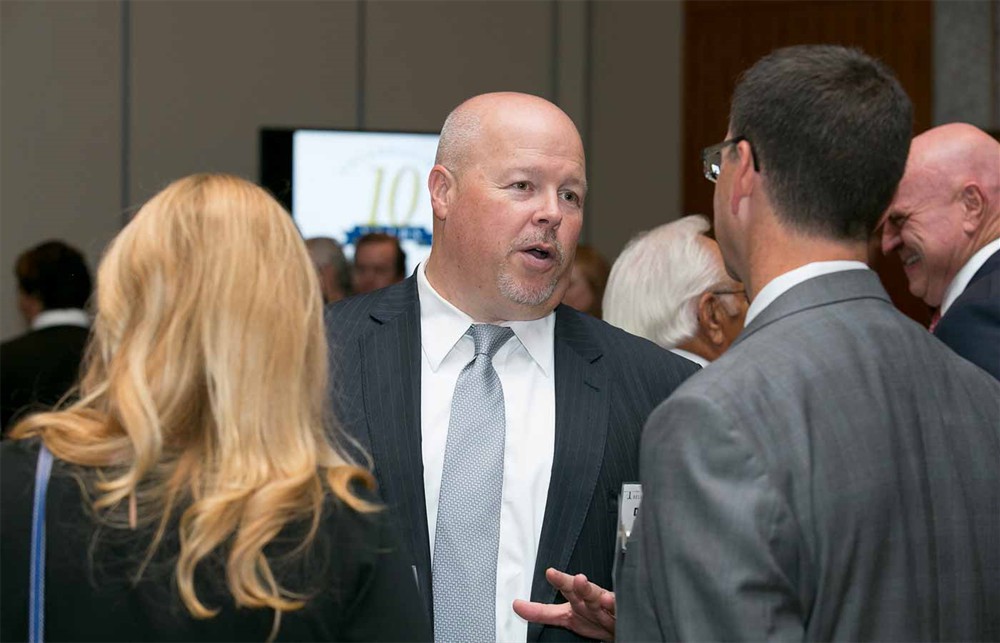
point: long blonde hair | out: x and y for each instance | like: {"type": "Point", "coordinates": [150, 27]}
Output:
{"type": "Point", "coordinates": [205, 387]}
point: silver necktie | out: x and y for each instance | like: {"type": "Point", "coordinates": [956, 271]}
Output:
{"type": "Point", "coordinates": [467, 535]}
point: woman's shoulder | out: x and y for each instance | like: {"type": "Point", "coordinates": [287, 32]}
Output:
{"type": "Point", "coordinates": [17, 470]}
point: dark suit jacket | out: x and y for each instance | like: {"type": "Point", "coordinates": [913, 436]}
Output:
{"type": "Point", "coordinates": [971, 327]}
{"type": "Point", "coordinates": [607, 382]}
{"type": "Point", "coordinates": [833, 476]}
{"type": "Point", "coordinates": [359, 586]}
{"type": "Point", "coordinates": [37, 368]}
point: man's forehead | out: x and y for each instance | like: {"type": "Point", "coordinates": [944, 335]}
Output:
{"type": "Point", "coordinates": [922, 182]}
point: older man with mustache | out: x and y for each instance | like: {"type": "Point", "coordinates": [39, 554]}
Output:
{"type": "Point", "coordinates": [501, 424]}
{"type": "Point", "coordinates": [944, 223]}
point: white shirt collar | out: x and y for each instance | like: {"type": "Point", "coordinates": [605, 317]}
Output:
{"type": "Point", "coordinates": [450, 324]}
{"type": "Point", "coordinates": [785, 282]}
{"type": "Point", "coordinates": [688, 355]}
{"type": "Point", "coordinates": [61, 317]}
{"type": "Point", "coordinates": [965, 275]}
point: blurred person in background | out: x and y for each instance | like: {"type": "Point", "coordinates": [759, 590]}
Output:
{"type": "Point", "coordinates": [379, 261]}
{"type": "Point", "coordinates": [587, 281]}
{"type": "Point", "coordinates": [40, 366]}
{"type": "Point", "coordinates": [198, 483]}
{"type": "Point", "coordinates": [945, 225]}
{"type": "Point", "coordinates": [332, 267]}
{"type": "Point", "coordinates": [670, 286]}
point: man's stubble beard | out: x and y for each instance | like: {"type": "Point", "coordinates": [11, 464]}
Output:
{"type": "Point", "coordinates": [524, 294]}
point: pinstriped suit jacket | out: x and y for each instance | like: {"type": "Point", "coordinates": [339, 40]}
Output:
{"type": "Point", "coordinates": [607, 382]}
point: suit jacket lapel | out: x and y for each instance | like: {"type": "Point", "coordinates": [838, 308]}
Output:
{"type": "Point", "coordinates": [989, 267]}
{"type": "Point", "coordinates": [582, 407]}
{"type": "Point", "coordinates": [390, 355]}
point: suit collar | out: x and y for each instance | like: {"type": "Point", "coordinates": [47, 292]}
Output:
{"type": "Point", "coordinates": [818, 291]}
{"type": "Point", "coordinates": [984, 261]}
{"type": "Point", "coordinates": [786, 281]}
{"type": "Point", "coordinates": [61, 317]}
{"type": "Point", "coordinates": [395, 300]}
{"type": "Point", "coordinates": [448, 324]}
{"type": "Point", "coordinates": [991, 265]}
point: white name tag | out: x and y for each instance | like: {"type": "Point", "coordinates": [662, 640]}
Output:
{"type": "Point", "coordinates": [628, 509]}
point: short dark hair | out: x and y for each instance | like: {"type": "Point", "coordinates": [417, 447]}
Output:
{"type": "Point", "coordinates": [830, 128]}
{"type": "Point", "coordinates": [56, 274]}
{"type": "Point", "coordinates": [381, 237]}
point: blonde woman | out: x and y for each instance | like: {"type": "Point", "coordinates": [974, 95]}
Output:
{"type": "Point", "coordinates": [196, 492]}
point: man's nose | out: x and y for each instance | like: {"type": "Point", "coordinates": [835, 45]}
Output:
{"type": "Point", "coordinates": [549, 212]}
{"type": "Point", "coordinates": [890, 238]}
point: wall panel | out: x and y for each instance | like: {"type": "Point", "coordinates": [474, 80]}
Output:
{"type": "Point", "coordinates": [423, 58]}
{"type": "Point", "coordinates": [206, 75]}
{"type": "Point", "coordinates": [635, 120]}
{"type": "Point", "coordinates": [60, 143]}
{"type": "Point", "coordinates": [899, 33]}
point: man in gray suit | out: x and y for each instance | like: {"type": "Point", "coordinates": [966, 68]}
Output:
{"type": "Point", "coordinates": [835, 474]}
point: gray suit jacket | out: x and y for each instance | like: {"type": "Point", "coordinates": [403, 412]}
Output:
{"type": "Point", "coordinates": [606, 384]}
{"type": "Point", "coordinates": [835, 475]}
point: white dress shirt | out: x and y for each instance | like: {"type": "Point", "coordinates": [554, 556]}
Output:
{"type": "Point", "coordinates": [525, 365]}
{"type": "Point", "coordinates": [965, 275]}
{"type": "Point", "coordinates": [688, 355]}
{"type": "Point", "coordinates": [785, 282]}
{"type": "Point", "coordinates": [61, 317]}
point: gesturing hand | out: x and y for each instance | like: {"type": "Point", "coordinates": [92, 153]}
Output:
{"type": "Point", "coordinates": [589, 612]}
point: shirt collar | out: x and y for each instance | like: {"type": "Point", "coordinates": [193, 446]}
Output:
{"type": "Point", "coordinates": [442, 325]}
{"type": "Point", "coordinates": [785, 282]}
{"type": "Point", "coordinates": [688, 355]}
{"type": "Point", "coordinates": [965, 275]}
{"type": "Point", "coordinates": [61, 317]}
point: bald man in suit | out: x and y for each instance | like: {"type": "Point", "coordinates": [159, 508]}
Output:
{"type": "Point", "coordinates": [507, 190]}
{"type": "Point", "coordinates": [944, 223]}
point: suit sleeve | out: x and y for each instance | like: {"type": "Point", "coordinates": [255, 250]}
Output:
{"type": "Point", "coordinates": [715, 538]}
{"type": "Point", "coordinates": [387, 607]}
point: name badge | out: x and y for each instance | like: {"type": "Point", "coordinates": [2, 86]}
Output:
{"type": "Point", "coordinates": [628, 508]}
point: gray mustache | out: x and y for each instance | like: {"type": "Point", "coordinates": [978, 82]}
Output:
{"type": "Point", "coordinates": [547, 238]}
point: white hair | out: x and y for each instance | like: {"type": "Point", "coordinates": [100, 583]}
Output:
{"type": "Point", "coordinates": [655, 283]}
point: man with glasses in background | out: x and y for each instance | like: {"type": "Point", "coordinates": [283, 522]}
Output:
{"type": "Point", "coordinates": [834, 474]}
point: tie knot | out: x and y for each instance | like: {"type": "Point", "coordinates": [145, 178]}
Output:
{"type": "Point", "coordinates": [489, 338]}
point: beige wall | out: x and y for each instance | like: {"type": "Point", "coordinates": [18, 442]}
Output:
{"type": "Point", "coordinates": [60, 134]}
{"type": "Point", "coordinates": [102, 103]}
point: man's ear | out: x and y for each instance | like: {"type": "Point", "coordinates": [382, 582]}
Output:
{"type": "Point", "coordinates": [441, 185]}
{"type": "Point", "coordinates": [973, 207]}
{"type": "Point", "coordinates": [744, 175]}
{"type": "Point", "coordinates": [709, 320]}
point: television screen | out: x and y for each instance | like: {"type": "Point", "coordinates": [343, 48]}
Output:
{"type": "Point", "coordinates": [344, 184]}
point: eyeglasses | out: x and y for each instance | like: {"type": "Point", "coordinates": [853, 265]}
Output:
{"type": "Point", "coordinates": [711, 157]}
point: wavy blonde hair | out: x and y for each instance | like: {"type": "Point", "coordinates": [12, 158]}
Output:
{"type": "Point", "coordinates": [205, 387]}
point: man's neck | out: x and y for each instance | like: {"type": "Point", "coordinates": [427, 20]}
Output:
{"type": "Point", "coordinates": [701, 347]}
{"type": "Point", "coordinates": [777, 250]}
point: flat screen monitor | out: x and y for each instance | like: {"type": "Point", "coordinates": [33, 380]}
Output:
{"type": "Point", "coordinates": [346, 183]}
